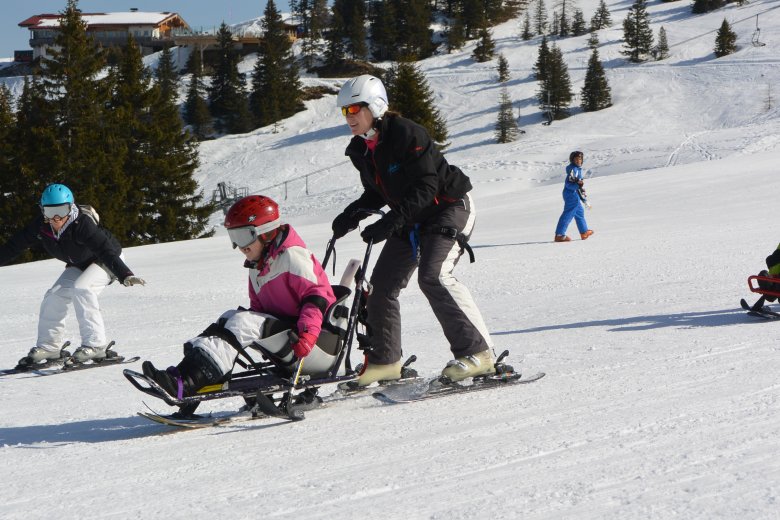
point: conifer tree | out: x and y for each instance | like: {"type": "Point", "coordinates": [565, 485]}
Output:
{"type": "Point", "coordinates": [540, 67]}
{"type": "Point", "coordinates": [276, 88]}
{"type": "Point", "coordinates": [485, 48]}
{"type": "Point", "coordinates": [131, 106]}
{"type": "Point", "coordinates": [564, 25]}
{"type": "Point", "coordinates": [413, 31]}
{"type": "Point", "coordinates": [92, 157]}
{"type": "Point", "coordinates": [38, 150]}
{"type": "Point", "coordinates": [661, 51]}
{"type": "Point", "coordinates": [596, 93]}
{"type": "Point", "coordinates": [601, 18]}
{"type": "Point", "coordinates": [351, 27]}
{"type": "Point", "coordinates": [506, 126]}
{"type": "Point", "coordinates": [637, 35]}
{"type": "Point", "coordinates": [335, 53]}
{"type": "Point", "coordinates": [527, 34]}
{"type": "Point", "coordinates": [540, 17]}
{"type": "Point", "coordinates": [166, 75]}
{"type": "Point", "coordinates": [725, 41]}
{"type": "Point", "coordinates": [555, 27]}
{"type": "Point", "coordinates": [412, 97]}
{"type": "Point", "coordinates": [473, 16]}
{"type": "Point", "coordinates": [456, 34]}
{"type": "Point", "coordinates": [227, 96]}
{"type": "Point", "coordinates": [196, 109]}
{"type": "Point", "coordinates": [593, 40]}
{"type": "Point", "coordinates": [578, 27]}
{"type": "Point", "coordinates": [555, 93]}
{"type": "Point", "coordinates": [9, 178]}
{"type": "Point", "coordinates": [383, 34]}
{"type": "Point", "coordinates": [503, 69]}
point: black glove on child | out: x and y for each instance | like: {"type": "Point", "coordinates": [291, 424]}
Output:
{"type": "Point", "coordinates": [380, 230]}
{"type": "Point", "coordinates": [343, 224]}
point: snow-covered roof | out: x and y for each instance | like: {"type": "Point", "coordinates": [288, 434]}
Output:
{"type": "Point", "coordinates": [125, 18]}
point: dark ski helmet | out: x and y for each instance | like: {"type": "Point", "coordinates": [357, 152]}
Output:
{"type": "Point", "coordinates": [56, 194]}
{"type": "Point", "coordinates": [576, 154]}
{"type": "Point", "coordinates": [251, 218]}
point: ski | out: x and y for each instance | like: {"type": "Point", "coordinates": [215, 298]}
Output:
{"type": "Point", "coordinates": [24, 367]}
{"type": "Point", "coordinates": [75, 366]}
{"type": "Point", "coordinates": [759, 311]}
{"type": "Point", "coordinates": [433, 389]}
{"type": "Point", "coordinates": [194, 422]}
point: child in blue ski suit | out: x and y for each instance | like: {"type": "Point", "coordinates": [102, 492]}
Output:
{"type": "Point", "coordinates": [572, 206]}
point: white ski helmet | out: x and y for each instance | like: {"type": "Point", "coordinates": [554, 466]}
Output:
{"type": "Point", "coordinates": [364, 89]}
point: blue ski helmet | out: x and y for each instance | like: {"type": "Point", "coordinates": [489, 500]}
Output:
{"type": "Point", "coordinates": [56, 194]}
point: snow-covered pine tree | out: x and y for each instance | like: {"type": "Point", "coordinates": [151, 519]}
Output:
{"type": "Point", "coordinates": [725, 41]}
{"type": "Point", "coordinates": [593, 40]}
{"type": "Point", "coordinates": [506, 125]}
{"type": "Point", "coordinates": [637, 34]}
{"type": "Point", "coordinates": [596, 94]}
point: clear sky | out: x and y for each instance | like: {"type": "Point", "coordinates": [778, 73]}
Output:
{"type": "Point", "coordinates": [197, 13]}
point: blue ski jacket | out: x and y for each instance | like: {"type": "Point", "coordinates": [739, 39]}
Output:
{"type": "Point", "coordinates": [573, 178]}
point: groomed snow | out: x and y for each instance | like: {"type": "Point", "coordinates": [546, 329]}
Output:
{"type": "Point", "coordinates": [661, 398]}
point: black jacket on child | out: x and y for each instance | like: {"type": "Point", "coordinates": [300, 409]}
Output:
{"type": "Point", "coordinates": [81, 244]}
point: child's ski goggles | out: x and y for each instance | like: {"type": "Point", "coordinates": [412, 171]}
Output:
{"type": "Point", "coordinates": [57, 212]}
{"type": "Point", "coordinates": [242, 237]}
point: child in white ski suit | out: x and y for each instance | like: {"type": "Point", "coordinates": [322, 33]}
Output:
{"type": "Point", "coordinates": [92, 259]}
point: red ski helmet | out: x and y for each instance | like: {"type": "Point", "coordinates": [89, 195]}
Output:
{"type": "Point", "coordinates": [251, 218]}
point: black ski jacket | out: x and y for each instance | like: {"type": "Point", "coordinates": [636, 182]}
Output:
{"type": "Point", "coordinates": [82, 243]}
{"type": "Point", "coordinates": [406, 172]}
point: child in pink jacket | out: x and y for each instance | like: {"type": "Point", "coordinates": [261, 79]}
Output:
{"type": "Point", "coordinates": [287, 288]}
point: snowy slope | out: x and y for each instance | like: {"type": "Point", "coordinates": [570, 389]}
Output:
{"type": "Point", "coordinates": [661, 395]}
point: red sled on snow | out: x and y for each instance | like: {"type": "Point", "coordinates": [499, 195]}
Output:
{"type": "Point", "coordinates": [770, 291]}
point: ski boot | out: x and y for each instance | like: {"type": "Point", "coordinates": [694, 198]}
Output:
{"type": "Point", "coordinates": [43, 356]}
{"type": "Point", "coordinates": [87, 353]}
{"type": "Point", "coordinates": [194, 372]}
{"type": "Point", "coordinates": [588, 233]}
{"type": "Point", "coordinates": [562, 238]}
{"type": "Point", "coordinates": [373, 372]}
{"type": "Point", "coordinates": [460, 368]}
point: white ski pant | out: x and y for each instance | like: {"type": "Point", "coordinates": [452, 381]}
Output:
{"type": "Point", "coordinates": [247, 327]}
{"type": "Point", "coordinates": [80, 288]}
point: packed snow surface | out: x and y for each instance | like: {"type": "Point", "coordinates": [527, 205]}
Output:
{"type": "Point", "coordinates": [661, 398]}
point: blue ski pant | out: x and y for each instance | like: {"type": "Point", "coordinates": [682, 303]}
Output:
{"type": "Point", "coordinates": [572, 209]}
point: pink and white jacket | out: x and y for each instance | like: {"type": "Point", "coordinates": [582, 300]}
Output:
{"type": "Point", "coordinates": [289, 283]}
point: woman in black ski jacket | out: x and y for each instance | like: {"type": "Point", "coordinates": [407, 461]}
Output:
{"type": "Point", "coordinates": [430, 220]}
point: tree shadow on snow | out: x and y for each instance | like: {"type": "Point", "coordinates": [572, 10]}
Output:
{"type": "Point", "coordinates": [684, 320]}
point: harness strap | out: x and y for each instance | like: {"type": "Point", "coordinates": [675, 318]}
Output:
{"type": "Point", "coordinates": [218, 330]}
{"type": "Point", "coordinates": [452, 232]}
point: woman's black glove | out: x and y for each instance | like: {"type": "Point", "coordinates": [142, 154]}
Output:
{"type": "Point", "coordinates": [343, 224]}
{"type": "Point", "coordinates": [380, 230]}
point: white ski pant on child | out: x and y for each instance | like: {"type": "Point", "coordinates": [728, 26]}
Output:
{"type": "Point", "coordinates": [247, 327]}
{"type": "Point", "coordinates": [80, 288]}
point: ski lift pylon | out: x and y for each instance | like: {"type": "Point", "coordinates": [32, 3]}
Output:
{"type": "Point", "coordinates": [756, 36]}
